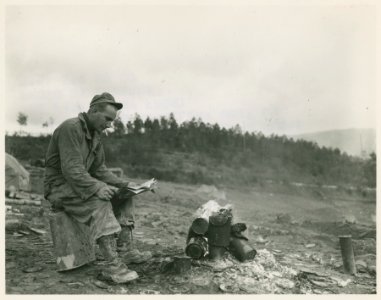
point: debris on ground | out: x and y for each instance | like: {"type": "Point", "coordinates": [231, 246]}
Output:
{"type": "Point", "coordinates": [289, 259]}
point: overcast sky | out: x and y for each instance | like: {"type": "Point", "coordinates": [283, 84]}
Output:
{"type": "Point", "coordinates": [282, 70]}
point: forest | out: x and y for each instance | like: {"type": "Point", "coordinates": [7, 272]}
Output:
{"type": "Point", "coordinates": [197, 152]}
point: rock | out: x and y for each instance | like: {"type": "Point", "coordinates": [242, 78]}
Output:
{"type": "Point", "coordinates": [342, 282]}
{"type": "Point", "coordinates": [368, 234]}
{"type": "Point", "coordinates": [350, 219]}
{"type": "Point", "coordinates": [38, 231]}
{"type": "Point", "coordinates": [319, 283]}
{"type": "Point", "coordinates": [372, 269]}
{"type": "Point", "coordinates": [15, 225]}
{"type": "Point", "coordinates": [156, 223]}
{"type": "Point", "coordinates": [178, 289]}
{"type": "Point", "coordinates": [11, 192]}
{"type": "Point", "coordinates": [16, 234]}
{"type": "Point", "coordinates": [218, 265]}
{"type": "Point", "coordinates": [100, 284]}
{"type": "Point", "coordinates": [149, 292]}
{"type": "Point", "coordinates": [283, 218]}
{"type": "Point", "coordinates": [228, 288]}
{"type": "Point", "coordinates": [75, 285]}
{"type": "Point", "coordinates": [117, 289]}
{"type": "Point", "coordinates": [285, 283]}
{"type": "Point", "coordinates": [248, 285]}
{"type": "Point", "coordinates": [23, 232]}
{"type": "Point", "coordinates": [181, 264]}
{"type": "Point", "coordinates": [266, 258]}
{"type": "Point", "coordinates": [316, 258]}
{"type": "Point", "coordinates": [203, 285]}
{"type": "Point", "coordinates": [178, 265]}
{"type": "Point", "coordinates": [33, 269]}
{"type": "Point", "coordinates": [260, 240]}
{"type": "Point", "coordinates": [361, 266]}
{"type": "Point", "coordinates": [149, 241]}
{"type": "Point", "coordinates": [276, 274]}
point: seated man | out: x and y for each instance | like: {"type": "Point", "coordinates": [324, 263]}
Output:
{"type": "Point", "coordinates": [77, 181]}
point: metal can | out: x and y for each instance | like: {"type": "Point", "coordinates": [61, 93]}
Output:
{"type": "Point", "coordinates": [196, 247]}
{"type": "Point", "coordinates": [216, 252]}
{"type": "Point", "coordinates": [219, 229]}
{"type": "Point", "coordinates": [241, 249]}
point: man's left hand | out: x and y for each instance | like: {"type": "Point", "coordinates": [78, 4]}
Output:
{"type": "Point", "coordinates": [113, 188]}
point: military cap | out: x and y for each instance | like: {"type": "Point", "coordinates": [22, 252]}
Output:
{"type": "Point", "coordinates": [105, 98]}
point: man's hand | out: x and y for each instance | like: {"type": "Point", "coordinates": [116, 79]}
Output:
{"type": "Point", "coordinates": [106, 192]}
{"type": "Point", "coordinates": [151, 185]}
{"type": "Point", "coordinates": [131, 184]}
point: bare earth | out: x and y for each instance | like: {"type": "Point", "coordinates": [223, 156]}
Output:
{"type": "Point", "coordinates": [295, 231]}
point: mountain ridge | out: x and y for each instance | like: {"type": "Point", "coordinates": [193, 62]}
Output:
{"type": "Point", "coordinates": [354, 141]}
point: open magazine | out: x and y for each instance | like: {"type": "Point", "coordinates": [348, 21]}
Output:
{"type": "Point", "coordinates": [137, 189]}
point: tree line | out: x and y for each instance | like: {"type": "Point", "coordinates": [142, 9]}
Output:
{"type": "Point", "coordinates": [197, 152]}
{"type": "Point", "coordinates": [269, 156]}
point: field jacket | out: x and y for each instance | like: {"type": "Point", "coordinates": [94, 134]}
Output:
{"type": "Point", "coordinates": [76, 159]}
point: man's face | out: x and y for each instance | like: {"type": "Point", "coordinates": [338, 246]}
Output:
{"type": "Point", "coordinates": [103, 119]}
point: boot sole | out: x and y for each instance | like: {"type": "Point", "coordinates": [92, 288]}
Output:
{"type": "Point", "coordinates": [119, 278]}
{"type": "Point", "coordinates": [137, 261]}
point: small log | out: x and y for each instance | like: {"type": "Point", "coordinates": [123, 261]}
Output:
{"type": "Point", "coordinates": [71, 241]}
{"type": "Point", "coordinates": [14, 224]}
{"type": "Point", "coordinates": [200, 223]}
{"type": "Point", "coordinates": [11, 213]}
{"type": "Point", "coordinates": [23, 202]}
{"type": "Point", "coordinates": [347, 254]}
{"type": "Point", "coordinates": [36, 230]}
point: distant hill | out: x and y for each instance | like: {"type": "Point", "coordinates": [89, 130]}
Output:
{"type": "Point", "coordinates": [354, 141]}
{"type": "Point", "coordinates": [201, 153]}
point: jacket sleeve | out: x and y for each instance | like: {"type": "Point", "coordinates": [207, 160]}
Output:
{"type": "Point", "coordinates": [101, 172]}
{"type": "Point", "coordinates": [72, 163]}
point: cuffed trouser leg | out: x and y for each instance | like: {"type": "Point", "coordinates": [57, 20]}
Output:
{"type": "Point", "coordinates": [124, 211]}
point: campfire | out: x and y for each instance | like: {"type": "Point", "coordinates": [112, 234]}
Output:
{"type": "Point", "coordinates": [213, 232]}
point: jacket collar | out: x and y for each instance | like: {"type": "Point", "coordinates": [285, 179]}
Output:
{"type": "Point", "coordinates": [86, 129]}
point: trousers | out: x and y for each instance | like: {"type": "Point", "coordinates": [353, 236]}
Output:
{"type": "Point", "coordinates": [103, 217]}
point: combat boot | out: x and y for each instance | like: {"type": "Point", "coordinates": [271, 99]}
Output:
{"type": "Point", "coordinates": [128, 250]}
{"type": "Point", "coordinates": [114, 270]}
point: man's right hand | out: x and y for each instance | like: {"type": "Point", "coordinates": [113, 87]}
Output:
{"type": "Point", "coordinates": [106, 193]}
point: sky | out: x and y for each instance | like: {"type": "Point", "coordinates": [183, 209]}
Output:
{"type": "Point", "coordinates": [270, 69]}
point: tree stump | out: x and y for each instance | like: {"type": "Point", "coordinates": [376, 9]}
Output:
{"type": "Point", "coordinates": [347, 254]}
{"type": "Point", "coordinates": [73, 247]}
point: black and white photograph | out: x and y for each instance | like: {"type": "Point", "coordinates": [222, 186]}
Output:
{"type": "Point", "coordinates": [190, 148]}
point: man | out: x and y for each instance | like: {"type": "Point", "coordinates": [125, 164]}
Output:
{"type": "Point", "coordinates": [77, 181]}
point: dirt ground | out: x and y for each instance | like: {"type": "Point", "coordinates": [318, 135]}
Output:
{"type": "Point", "coordinates": [295, 232]}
